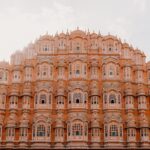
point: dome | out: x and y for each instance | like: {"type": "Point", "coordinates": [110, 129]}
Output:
{"type": "Point", "coordinates": [45, 37]}
{"type": "Point", "coordinates": [62, 35]}
{"type": "Point", "coordinates": [107, 37]}
{"type": "Point", "coordinates": [78, 33]}
{"type": "Point", "coordinates": [93, 35]}
{"type": "Point", "coordinates": [125, 45]}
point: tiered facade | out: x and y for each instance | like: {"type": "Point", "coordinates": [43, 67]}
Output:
{"type": "Point", "coordinates": [75, 90]}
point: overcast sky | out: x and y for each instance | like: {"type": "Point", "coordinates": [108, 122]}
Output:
{"type": "Point", "coordinates": [22, 21]}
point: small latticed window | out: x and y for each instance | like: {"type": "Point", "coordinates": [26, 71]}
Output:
{"type": "Point", "coordinates": [78, 48]}
{"type": "Point", "coordinates": [41, 130]}
{"type": "Point", "coordinates": [43, 99]}
{"type": "Point", "coordinates": [112, 99]}
{"type": "Point", "coordinates": [77, 98]}
{"type": "Point", "coordinates": [77, 129]}
{"type": "Point", "coordinates": [113, 130]}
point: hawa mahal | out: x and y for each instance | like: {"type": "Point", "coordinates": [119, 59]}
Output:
{"type": "Point", "coordinates": [75, 90]}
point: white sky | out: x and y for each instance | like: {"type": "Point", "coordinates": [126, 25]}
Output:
{"type": "Point", "coordinates": [22, 21]}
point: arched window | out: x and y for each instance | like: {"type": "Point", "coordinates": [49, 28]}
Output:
{"type": "Point", "coordinates": [41, 130]}
{"type": "Point", "coordinates": [78, 69]}
{"type": "Point", "coordinates": [45, 47]}
{"type": "Point", "coordinates": [77, 98]}
{"type": "Point", "coordinates": [77, 129]}
{"type": "Point", "coordinates": [44, 71]}
{"type": "Point", "coordinates": [112, 99]}
{"type": "Point", "coordinates": [113, 130]}
{"type": "Point", "coordinates": [111, 70]}
{"type": "Point", "coordinates": [42, 99]}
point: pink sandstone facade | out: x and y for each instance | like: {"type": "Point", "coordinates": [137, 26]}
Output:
{"type": "Point", "coordinates": [75, 90]}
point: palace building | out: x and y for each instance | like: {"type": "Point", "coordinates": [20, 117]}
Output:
{"type": "Point", "coordinates": [75, 90]}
